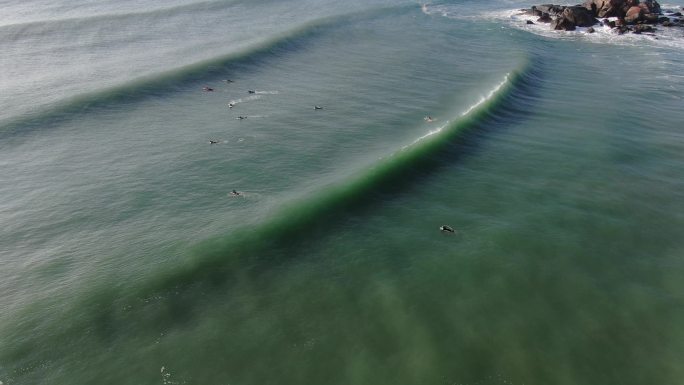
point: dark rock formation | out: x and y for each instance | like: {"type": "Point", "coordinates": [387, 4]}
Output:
{"type": "Point", "coordinates": [643, 28]}
{"type": "Point", "coordinates": [579, 16]}
{"type": "Point", "coordinates": [636, 16]}
{"type": "Point", "coordinates": [562, 24]}
{"type": "Point", "coordinates": [551, 9]}
{"type": "Point", "coordinates": [604, 8]}
{"type": "Point", "coordinates": [545, 18]}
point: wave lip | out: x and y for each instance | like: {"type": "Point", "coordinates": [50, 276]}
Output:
{"type": "Point", "coordinates": [215, 260]}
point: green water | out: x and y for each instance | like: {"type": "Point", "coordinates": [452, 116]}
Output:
{"type": "Point", "coordinates": [126, 260]}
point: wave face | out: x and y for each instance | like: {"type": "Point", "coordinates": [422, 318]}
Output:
{"type": "Point", "coordinates": [352, 131]}
{"type": "Point", "coordinates": [89, 50]}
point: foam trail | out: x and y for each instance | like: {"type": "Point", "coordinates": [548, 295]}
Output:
{"type": "Point", "coordinates": [470, 109]}
{"type": "Point", "coordinates": [244, 100]}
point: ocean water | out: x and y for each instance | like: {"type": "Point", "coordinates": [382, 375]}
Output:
{"type": "Point", "coordinates": [124, 259]}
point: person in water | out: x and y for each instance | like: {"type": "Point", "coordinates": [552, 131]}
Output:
{"type": "Point", "coordinates": [213, 142]}
{"type": "Point", "coordinates": [447, 229]}
{"type": "Point", "coordinates": [234, 193]}
{"type": "Point", "coordinates": [207, 89]}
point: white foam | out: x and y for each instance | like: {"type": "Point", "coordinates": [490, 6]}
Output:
{"type": "Point", "coordinates": [244, 100]}
{"type": "Point", "coordinates": [664, 37]}
{"type": "Point", "coordinates": [424, 8]}
{"type": "Point", "coordinates": [482, 100]}
{"type": "Point", "coordinates": [488, 96]}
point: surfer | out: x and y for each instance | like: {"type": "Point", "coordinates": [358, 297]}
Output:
{"type": "Point", "coordinates": [231, 105]}
{"type": "Point", "coordinates": [213, 142]}
{"type": "Point", "coordinates": [428, 119]}
{"type": "Point", "coordinates": [234, 193]}
{"type": "Point", "coordinates": [207, 89]}
{"type": "Point", "coordinates": [447, 229]}
{"type": "Point", "coordinates": [318, 108]}
{"type": "Point", "coordinates": [241, 117]}
{"type": "Point", "coordinates": [251, 91]}
{"type": "Point", "coordinates": [227, 80]}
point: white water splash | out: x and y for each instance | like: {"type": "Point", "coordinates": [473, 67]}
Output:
{"type": "Point", "coordinates": [244, 100]}
{"type": "Point", "coordinates": [664, 37]}
{"type": "Point", "coordinates": [488, 96]}
{"type": "Point", "coordinates": [482, 100]}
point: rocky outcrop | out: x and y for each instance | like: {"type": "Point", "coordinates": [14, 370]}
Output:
{"type": "Point", "coordinates": [604, 8]}
{"type": "Point", "coordinates": [619, 8]}
{"type": "Point", "coordinates": [632, 15]}
{"type": "Point", "coordinates": [544, 18]}
{"type": "Point", "coordinates": [579, 16]}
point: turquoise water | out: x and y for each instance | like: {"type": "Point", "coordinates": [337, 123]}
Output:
{"type": "Point", "coordinates": [558, 158]}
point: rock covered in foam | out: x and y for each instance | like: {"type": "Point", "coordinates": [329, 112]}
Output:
{"type": "Point", "coordinates": [630, 15]}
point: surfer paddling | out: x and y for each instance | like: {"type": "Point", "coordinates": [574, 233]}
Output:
{"type": "Point", "coordinates": [446, 229]}
{"type": "Point", "coordinates": [235, 193]}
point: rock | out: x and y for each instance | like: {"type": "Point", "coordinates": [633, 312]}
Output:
{"type": "Point", "coordinates": [634, 14]}
{"type": "Point", "coordinates": [545, 18]}
{"type": "Point", "coordinates": [530, 22]}
{"type": "Point", "coordinates": [579, 16]}
{"type": "Point", "coordinates": [643, 28]}
{"type": "Point", "coordinates": [562, 24]}
{"type": "Point", "coordinates": [678, 14]}
{"type": "Point", "coordinates": [550, 9]}
{"type": "Point", "coordinates": [640, 13]}
{"type": "Point", "coordinates": [532, 11]}
{"type": "Point", "coordinates": [605, 8]}
{"type": "Point", "coordinates": [651, 18]}
{"type": "Point", "coordinates": [650, 6]}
